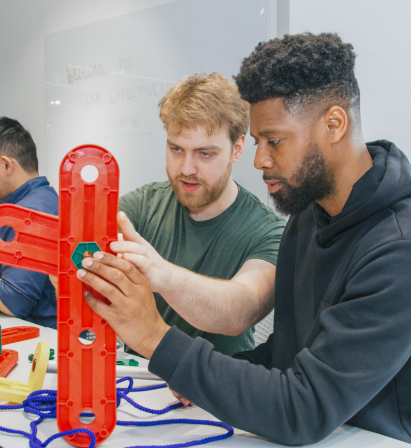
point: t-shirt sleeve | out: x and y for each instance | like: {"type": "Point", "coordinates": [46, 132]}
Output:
{"type": "Point", "coordinates": [132, 204]}
{"type": "Point", "coordinates": [267, 241]}
{"type": "Point", "coordinates": [21, 290]}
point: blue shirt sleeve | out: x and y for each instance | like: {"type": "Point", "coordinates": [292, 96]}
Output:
{"type": "Point", "coordinates": [21, 290]}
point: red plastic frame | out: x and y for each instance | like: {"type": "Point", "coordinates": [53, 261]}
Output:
{"type": "Point", "coordinates": [86, 373]}
{"type": "Point", "coordinates": [18, 334]}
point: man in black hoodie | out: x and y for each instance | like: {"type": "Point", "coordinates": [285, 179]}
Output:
{"type": "Point", "coordinates": [341, 347]}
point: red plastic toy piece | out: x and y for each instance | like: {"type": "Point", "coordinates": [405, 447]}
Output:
{"type": "Point", "coordinates": [17, 334]}
{"type": "Point", "coordinates": [87, 373]}
{"type": "Point", "coordinates": [34, 246]}
{"type": "Point", "coordinates": [8, 359]}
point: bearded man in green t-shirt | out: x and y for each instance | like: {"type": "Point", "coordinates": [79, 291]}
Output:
{"type": "Point", "coordinates": [207, 246]}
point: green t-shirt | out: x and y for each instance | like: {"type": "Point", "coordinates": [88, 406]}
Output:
{"type": "Point", "coordinates": [216, 248]}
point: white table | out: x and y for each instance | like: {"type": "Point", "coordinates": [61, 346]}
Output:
{"type": "Point", "coordinates": [346, 436]}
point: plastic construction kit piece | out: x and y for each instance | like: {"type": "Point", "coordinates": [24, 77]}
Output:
{"type": "Point", "coordinates": [8, 359]}
{"type": "Point", "coordinates": [18, 391]}
{"type": "Point", "coordinates": [34, 245]}
{"type": "Point", "coordinates": [127, 362]}
{"type": "Point", "coordinates": [18, 334]}
{"type": "Point", "coordinates": [45, 243]}
{"type": "Point", "coordinates": [82, 251]}
{"type": "Point", "coordinates": [31, 356]}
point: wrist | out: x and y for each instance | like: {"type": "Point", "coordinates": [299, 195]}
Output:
{"type": "Point", "coordinates": [169, 276]}
{"type": "Point", "coordinates": [152, 343]}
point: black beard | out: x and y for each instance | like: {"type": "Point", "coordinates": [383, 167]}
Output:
{"type": "Point", "coordinates": [314, 182]}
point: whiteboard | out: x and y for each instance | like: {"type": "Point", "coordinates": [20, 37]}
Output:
{"type": "Point", "coordinates": [104, 80]}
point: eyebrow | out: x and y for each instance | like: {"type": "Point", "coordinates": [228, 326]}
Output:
{"type": "Point", "coordinates": [269, 131]}
{"type": "Point", "coordinates": [202, 148]}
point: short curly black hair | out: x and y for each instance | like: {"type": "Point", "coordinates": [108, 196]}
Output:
{"type": "Point", "coordinates": [303, 69]}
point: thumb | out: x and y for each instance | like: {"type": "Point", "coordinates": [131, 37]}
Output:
{"type": "Point", "coordinates": [127, 229]}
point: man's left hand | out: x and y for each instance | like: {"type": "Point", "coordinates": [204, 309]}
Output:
{"type": "Point", "coordinates": [133, 313]}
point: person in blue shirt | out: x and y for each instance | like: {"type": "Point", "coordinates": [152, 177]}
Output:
{"type": "Point", "coordinates": [25, 294]}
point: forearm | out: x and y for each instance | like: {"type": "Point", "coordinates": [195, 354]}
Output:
{"type": "Point", "coordinates": [213, 305]}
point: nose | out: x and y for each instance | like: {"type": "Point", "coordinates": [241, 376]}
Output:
{"type": "Point", "coordinates": [188, 168]}
{"type": "Point", "coordinates": [262, 159]}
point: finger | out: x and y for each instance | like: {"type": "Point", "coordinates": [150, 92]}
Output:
{"type": "Point", "coordinates": [103, 287]}
{"type": "Point", "coordinates": [139, 261]}
{"type": "Point", "coordinates": [121, 264]}
{"type": "Point", "coordinates": [99, 307]}
{"type": "Point", "coordinates": [128, 246]}
{"type": "Point", "coordinates": [127, 229]}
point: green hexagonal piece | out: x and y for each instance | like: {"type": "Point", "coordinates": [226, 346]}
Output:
{"type": "Point", "coordinates": [77, 255]}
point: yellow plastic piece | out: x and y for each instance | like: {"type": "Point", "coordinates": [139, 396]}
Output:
{"type": "Point", "coordinates": [17, 391]}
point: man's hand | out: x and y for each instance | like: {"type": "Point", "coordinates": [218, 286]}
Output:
{"type": "Point", "coordinates": [53, 280]}
{"type": "Point", "coordinates": [142, 254]}
{"type": "Point", "coordinates": [133, 313]}
{"type": "Point", "coordinates": [182, 399]}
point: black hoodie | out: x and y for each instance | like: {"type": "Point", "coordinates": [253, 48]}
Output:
{"type": "Point", "coordinates": [342, 342]}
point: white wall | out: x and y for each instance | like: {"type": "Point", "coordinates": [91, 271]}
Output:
{"type": "Point", "coordinates": [23, 25]}
{"type": "Point", "coordinates": [380, 32]}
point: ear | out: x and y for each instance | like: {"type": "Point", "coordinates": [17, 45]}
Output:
{"type": "Point", "coordinates": [6, 164]}
{"type": "Point", "coordinates": [337, 123]}
{"type": "Point", "coordinates": [239, 148]}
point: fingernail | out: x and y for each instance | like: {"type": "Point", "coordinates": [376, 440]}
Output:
{"type": "Point", "coordinates": [98, 255]}
{"type": "Point", "coordinates": [86, 293]}
{"type": "Point", "coordinates": [87, 262]}
{"type": "Point", "coordinates": [81, 273]}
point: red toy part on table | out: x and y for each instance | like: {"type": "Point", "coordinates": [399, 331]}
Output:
{"type": "Point", "coordinates": [86, 373]}
{"type": "Point", "coordinates": [8, 359]}
{"type": "Point", "coordinates": [18, 334]}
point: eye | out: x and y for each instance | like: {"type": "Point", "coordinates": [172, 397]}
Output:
{"type": "Point", "coordinates": [175, 149]}
{"type": "Point", "coordinates": [273, 142]}
{"type": "Point", "coordinates": [205, 154]}
{"type": "Point", "coordinates": [255, 143]}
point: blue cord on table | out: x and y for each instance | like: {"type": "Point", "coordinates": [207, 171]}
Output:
{"type": "Point", "coordinates": [43, 404]}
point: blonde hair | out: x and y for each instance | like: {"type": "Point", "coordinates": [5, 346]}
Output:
{"type": "Point", "coordinates": [206, 99]}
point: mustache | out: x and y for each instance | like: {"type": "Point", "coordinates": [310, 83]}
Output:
{"type": "Point", "coordinates": [188, 179]}
{"type": "Point", "coordinates": [273, 178]}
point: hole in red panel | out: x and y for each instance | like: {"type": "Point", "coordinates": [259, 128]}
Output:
{"type": "Point", "coordinates": [70, 354]}
{"type": "Point", "coordinates": [73, 156]}
{"type": "Point", "coordinates": [70, 272]}
{"type": "Point", "coordinates": [103, 353]}
{"type": "Point", "coordinates": [87, 337]}
{"type": "Point", "coordinates": [105, 240]}
{"type": "Point", "coordinates": [72, 190]}
{"type": "Point", "coordinates": [19, 253]}
{"type": "Point", "coordinates": [103, 401]}
{"type": "Point", "coordinates": [103, 321]}
{"type": "Point", "coordinates": [7, 234]}
{"type": "Point", "coordinates": [89, 173]}
{"type": "Point", "coordinates": [71, 240]}
{"type": "Point", "coordinates": [106, 190]}
{"type": "Point", "coordinates": [70, 321]}
{"type": "Point", "coordinates": [87, 417]}
{"type": "Point", "coordinates": [70, 403]}
{"type": "Point", "coordinates": [103, 433]}
{"type": "Point", "coordinates": [27, 222]}
{"type": "Point", "coordinates": [107, 158]}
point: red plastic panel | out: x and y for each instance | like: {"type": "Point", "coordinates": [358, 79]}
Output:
{"type": "Point", "coordinates": [34, 246]}
{"type": "Point", "coordinates": [8, 359]}
{"type": "Point", "coordinates": [17, 334]}
{"type": "Point", "coordinates": [87, 373]}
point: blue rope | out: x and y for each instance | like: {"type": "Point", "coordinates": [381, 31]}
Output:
{"type": "Point", "coordinates": [43, 404]}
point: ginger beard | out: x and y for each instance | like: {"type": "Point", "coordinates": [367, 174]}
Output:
{"type": "Point", "coordinates": [206, 194]}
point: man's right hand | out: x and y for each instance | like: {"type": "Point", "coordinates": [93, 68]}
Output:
{"type": "Point", "coordinates": [182, 399]}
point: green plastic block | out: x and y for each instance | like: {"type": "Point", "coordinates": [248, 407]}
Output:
{"type": "Point", "coordinates": [31, 356]}
{"type": "Point", "coordinates": [127, 362]}
{"type": "Point", "coordinates": [77, 255]}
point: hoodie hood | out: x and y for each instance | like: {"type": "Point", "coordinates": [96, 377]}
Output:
{"type": "Point", "coordinates": [387, 182]}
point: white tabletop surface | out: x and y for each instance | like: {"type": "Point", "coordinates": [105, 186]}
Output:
{"type": "Point", "coordinates": [346, 436]}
